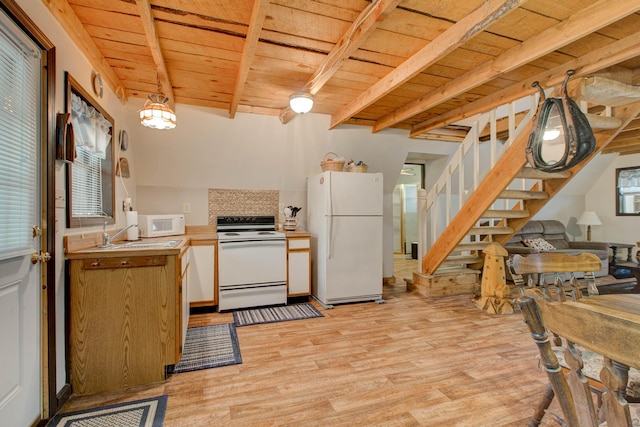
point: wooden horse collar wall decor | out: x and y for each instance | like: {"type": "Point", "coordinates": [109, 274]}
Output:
{"type": "Point", "coordinates": [562, 137]}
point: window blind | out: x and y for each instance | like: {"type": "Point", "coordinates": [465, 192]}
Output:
{"type": "Point", "coordinates": [19, 144]}
{"type": "Point", "coordinates": [86, 184]}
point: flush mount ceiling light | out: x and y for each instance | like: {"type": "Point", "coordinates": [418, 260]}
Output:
{"type": "Point", "coordinates": [156, 113]}
{"type": "Point", "coordinates": [301, 102]}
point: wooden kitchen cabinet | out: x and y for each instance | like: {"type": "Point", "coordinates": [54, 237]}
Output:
{"type": "Point", "coordinates": [298, 264]}
{"type": "Point", "coordinates": [202, 278]}
{"type": "Point", "coordinates": [127, 318]}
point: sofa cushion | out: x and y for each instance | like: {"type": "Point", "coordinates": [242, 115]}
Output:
{"type": "Point", "coordinates": [532, 227]}
{"type": "Point", "coordinates": [555, 233]}
{"type": "Point", "coordinates": [558, 241]}
{"type": "Point", "coordinates": [539, 244]}
{"type": "Point", "coordinates": [552, 226]}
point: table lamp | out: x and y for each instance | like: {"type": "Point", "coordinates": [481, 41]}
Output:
{"type": "Point", "coordinates": [589, 218]}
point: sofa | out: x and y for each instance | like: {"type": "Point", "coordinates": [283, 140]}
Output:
{"type": "Point", "coordinates": [552, 232]}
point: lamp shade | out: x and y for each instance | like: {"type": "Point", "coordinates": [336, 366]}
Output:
{"type": "Point", "coordinates": [589, 218]}
{"type": "Point", "coordinates": [156, 113]}
{"type": "Point", "coordinates": [301, 102]}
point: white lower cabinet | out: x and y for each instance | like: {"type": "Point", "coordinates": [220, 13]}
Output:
{"type": "Point", "coordinates": [298, 266]}
{"type": "Point", "coordinates": [202, 275]}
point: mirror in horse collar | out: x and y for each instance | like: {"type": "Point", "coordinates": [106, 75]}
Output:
{"type": "Point", "coordinates": [562, 136]}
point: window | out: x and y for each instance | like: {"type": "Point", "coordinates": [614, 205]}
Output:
{"type": "Point", "coordinates": [90, 178]}
{"type": "Point", "coordinates": [19, 143]}
{"type": "Point", "coordinates": [628, 191]}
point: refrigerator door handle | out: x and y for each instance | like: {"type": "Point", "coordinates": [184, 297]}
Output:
{"type": "Point", "coordinates": [328, 234]}
{"type": "Point", "coordinates": [329, 217]}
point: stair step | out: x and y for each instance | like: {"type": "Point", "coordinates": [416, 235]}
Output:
{"type": "Point", "coordinates": [531, 173]}
{"type": "Point", "coordinates": [490, 230]}
{"type": "Point", "coordinates": [471, 246]}
{"type": "Point", "coordinates": [523, 195]}
{"type": "Point", "coordinates": [509, 213]}
{"type": "Point", "coordinates": [461, 259]}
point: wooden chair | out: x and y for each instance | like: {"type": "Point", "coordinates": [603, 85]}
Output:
{"type": "Point", "coordinates": [548, 310]}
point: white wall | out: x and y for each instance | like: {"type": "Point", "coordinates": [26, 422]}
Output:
{"type": "Point", "coordinates": [209, 150]}
{"type": "Point", "coordinates": [601, 198]}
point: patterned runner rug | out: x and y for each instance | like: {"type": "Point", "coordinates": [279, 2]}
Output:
{"type": "Point", "coordinates": [140, 413]}
{"type": "Point", "coordinates": [209, 347]}
{"type": "Point", "coordinates": [275, 314]}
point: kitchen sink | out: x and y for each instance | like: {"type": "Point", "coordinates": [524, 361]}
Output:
{"type": "Point", "coordinates": [165, 244]}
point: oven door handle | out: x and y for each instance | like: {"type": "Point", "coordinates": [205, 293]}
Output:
{"type": "Point", "coordinates": [251, 244]}
{"type": "Point", "coordinates": [226, 288]}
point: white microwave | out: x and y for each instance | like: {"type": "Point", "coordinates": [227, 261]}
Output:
{"type": "Point", "coordinates": [160, 225]}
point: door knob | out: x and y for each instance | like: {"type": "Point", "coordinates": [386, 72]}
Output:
{"type": "Point", "coordinates": [42, 257]}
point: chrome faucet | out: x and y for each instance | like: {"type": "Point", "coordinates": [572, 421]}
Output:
{"type": "Point", "coordinates": [107, 238]}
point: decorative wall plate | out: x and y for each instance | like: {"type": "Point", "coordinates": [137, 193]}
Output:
{"type": "Point", "coordinates": [124, 140]}
{"type": "Point", "coordinates": [96, 83]}
{"type": "Point", "coordinates": [122, 168]}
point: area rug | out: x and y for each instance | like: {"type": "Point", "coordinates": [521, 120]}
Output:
{"type": "Point", "coordinates": [275, 314]}
{"type": "Point", "coordinates": [209, 347]}
{"type": "Point", "coordinates": [140, 413]}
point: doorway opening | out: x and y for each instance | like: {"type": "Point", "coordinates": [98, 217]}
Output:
{"type": "Point", "coordinates": [405, 220]}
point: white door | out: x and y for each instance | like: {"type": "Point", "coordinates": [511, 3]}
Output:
{"type": "Point", "coordinates": [354, 268]}
{"type": "Point", "coordinates": [20, 295]}
{"type": "Point", "coordinates": [355, 193]}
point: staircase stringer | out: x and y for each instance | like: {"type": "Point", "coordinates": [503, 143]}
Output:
{"type": "Point", "coordinates": [499, 178]}
{"type": "Point", "coordinates": [501, 175]}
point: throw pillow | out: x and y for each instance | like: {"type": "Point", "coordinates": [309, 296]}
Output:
{"type": "Point", "coordinates": [539, 244]}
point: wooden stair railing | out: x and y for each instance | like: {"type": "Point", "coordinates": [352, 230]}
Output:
{"type": "Point", "coordinates": [458, 244]}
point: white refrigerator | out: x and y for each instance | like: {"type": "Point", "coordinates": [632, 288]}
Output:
{"type": "Point", "coordinates": [344, 217]}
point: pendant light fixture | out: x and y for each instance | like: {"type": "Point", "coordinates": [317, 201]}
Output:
{"type": "Point", "coordinates": [156, 113]}
{"type": "Point", "coordinates": [301, 102]}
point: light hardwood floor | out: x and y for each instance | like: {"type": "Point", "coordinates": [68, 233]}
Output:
{"type": "Point", "coordinates": [409, 362]}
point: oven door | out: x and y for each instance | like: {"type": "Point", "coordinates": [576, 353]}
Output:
{"type": "Point", "coordinates": [251, 273]}
{"type": "Point", "coordinates": [251, 262]}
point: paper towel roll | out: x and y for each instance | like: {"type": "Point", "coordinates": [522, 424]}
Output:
{"type": "Point", "coordinates": [132, 218]}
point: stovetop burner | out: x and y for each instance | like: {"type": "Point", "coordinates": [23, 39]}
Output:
{"type": "Point", "coordinates": [239, 227]}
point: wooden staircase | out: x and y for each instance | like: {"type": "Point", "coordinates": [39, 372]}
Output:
{"type": "Point", "coordinates": [502, 204]}
{"type": "Point", "coordinates": [494, 223]}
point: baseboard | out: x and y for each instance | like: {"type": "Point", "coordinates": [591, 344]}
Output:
{"type": "Point", "coordinates": [63, 395]}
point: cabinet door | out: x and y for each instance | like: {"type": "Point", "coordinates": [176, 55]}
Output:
{"type": "Point", "coordinates": [124, 321]}
{"type": "Point", "coordinates": [201, 275]}
{"type": "Point", "coordinates": [298, 267]}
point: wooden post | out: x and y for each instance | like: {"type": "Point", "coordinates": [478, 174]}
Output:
{"type": "Point", "coordinates": [494, 297]}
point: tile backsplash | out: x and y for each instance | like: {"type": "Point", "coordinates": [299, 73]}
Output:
{"type": "Point", "coordinates": [242, 202]}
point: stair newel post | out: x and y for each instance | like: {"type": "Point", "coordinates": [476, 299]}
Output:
{"type": "Point", "coordinates": [422, 224]}
{"type": "Point", "coordinates": [494, 297]}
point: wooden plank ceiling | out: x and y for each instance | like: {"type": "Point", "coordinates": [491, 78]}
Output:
{"type": "Point", "coordinates": [419, 65]}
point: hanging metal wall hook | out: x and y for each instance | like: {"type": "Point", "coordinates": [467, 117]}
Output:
{"type": "Point", "coordinates": [566, 80]}
{"type": "Point", "coordinates": [536, 84]}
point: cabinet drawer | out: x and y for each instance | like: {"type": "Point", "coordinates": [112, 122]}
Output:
{"type": "Point", "coordinates": [124, 262]}
{"type": "Point", "coordinates": [299, 244]}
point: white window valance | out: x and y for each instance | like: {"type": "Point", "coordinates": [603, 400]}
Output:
{"type": "Point", "coordinates": [91, 128]}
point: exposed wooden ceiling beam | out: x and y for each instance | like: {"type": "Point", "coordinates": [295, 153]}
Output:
{"type": "Point", "coordinates": [74, 28]}
{"type": "Point", "coordinates": [596, 16]}
{"type": "Point", "coordinates": [351, 40]}
{"type": "Point", "coordinates": [464, 30]}
{"type": "Point", "coordinates": [248, 52]}
{"type": "Point", "coordinates": [592, 62]}
{"type": "Point", "coordinates": [152, 38]}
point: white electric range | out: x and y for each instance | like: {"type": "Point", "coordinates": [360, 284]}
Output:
{"type": "Point", "coordinates": [252, 262]}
